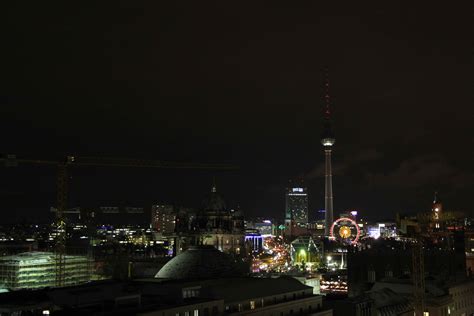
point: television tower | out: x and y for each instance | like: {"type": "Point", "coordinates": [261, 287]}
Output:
{"type": "Point", "coordinates": [327, 140]}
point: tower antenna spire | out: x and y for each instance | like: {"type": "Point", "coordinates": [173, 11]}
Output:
{"type": "Point", "coordinates": [214, 187]}
{"type": "Point", "coordinates": [327, 95]}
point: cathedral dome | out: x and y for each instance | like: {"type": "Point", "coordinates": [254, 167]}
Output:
{"type": "Point", "coordinates": [214, 202]}
{"type": "Point", "coordinates": [199, 262]}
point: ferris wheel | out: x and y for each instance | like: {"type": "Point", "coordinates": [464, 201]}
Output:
{"type": "Point", "coordinates": [345, 230]}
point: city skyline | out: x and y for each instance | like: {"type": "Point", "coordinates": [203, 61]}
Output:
{"type": "Point", "coordinates": [252, 96]}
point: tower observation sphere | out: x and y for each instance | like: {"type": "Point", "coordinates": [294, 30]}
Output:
{"type": "Point", "coordinates": [327, 137]}
{"type": "Point", "coordinates": [328, 142]}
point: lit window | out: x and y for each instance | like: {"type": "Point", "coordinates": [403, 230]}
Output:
{"type": "Point", "coordinates": [196, 312]}
{"type": "Point", "coordinates": [252, 304]}
{"type": "Point", "coordinates": [426, 314]}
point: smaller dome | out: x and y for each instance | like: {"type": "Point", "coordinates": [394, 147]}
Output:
{"type": "Point", "coordinates": [214, 202]}
{"type": "Point", "coordinates": [199, 262]}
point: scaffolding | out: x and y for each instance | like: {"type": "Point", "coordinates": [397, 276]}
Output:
{"type": "Point", "coordinates": [34, 270]}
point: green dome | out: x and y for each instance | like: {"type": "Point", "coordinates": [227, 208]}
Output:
{"type": "Point", "coordinates": [199, 262]}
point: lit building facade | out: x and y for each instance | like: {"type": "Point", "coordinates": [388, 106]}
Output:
{"type": "Point", "coordinates": [213, 225]}
{"type": "Point", "coordinates": [34, 270]}
{"type": "Point", "coordinates": [253, 240]}
{"type": "Point", "coordinates": [305, 252]}
{"type": "Point", "coordinates": [163, 219]}
{"type": "Point", "coordinates": [296, 205]}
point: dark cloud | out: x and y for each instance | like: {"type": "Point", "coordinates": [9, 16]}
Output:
{"type": "Point", "coordinates": [422, 171]}
{"type": "Point", "coordinates": [341, 167]}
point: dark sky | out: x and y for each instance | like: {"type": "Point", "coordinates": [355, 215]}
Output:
{"type": "Point", "coordinates": [241, 83]}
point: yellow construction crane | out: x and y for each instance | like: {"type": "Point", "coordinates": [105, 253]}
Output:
{"type": "Point", "coordinates": [62, 187]}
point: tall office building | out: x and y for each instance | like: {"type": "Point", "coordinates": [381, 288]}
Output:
{"type": "Point", "coordinates": [328, 140]}
{"type": "Point", "coordinates": [296, 209]}
{"type": "Point", "coordinates": [163, 218]}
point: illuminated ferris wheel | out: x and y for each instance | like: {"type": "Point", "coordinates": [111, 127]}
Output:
{"type": "Point", "coordinates": [345, 230]}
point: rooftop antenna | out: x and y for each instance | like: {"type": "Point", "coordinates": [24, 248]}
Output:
{"type": "Point", "coordinates": [327, 95]}
{"type": "Point", "coordinates": [214, 188]}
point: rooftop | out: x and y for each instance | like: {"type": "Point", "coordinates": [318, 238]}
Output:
{"type": "Point", "coordinates": [33, 257]}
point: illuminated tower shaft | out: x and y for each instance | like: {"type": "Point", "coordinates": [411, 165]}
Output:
{"type": "Point", "coordinates": [329, 217]}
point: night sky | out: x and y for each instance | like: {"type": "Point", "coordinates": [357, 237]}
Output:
{"type": "Point", "coordinates": [240, 83]}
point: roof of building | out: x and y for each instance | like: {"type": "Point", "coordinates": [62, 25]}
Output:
{"type": "Point", "coordinates": [235, 289]}
{"type": "Point", "coordinates": [94, 297]}
{"type": "Point", "coordinates": [238, 289]}
{"type": "Point", "coordinates": [199, 262]}
{"type": "Point", "coordinates": [34, 257]}
{"type": "Point", "coordinates": [406, 287]}
{"type": "Point", "coordinates": [386, 297]}
{"type": "Point", "coordinates": [306, 242]}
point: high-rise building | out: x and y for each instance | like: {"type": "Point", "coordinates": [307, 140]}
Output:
{"type": "Point", "coordinates": [328, 140]}
{"type": "Point", "coordinates": [296, 208]}
{"type": "Point", "coordinates": [163, 218]}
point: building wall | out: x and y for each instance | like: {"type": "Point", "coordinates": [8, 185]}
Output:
{"type": "Point", "coordinates": [463, 299]}
{"type": "Point", "coordinates": [211, 308]}
{"type": "Point", "coordinates": [232, 243]}
{"type": "Point", "coordinates": [351, 308]}
{"type": "Point", "coordinates": [439, 306]}
{"type": "Point", "coordinates": [298, 306]}
{"type": "Point", "coordinates": [303, 302]}
{"type": "Point", "coordinates": [313, 282]}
